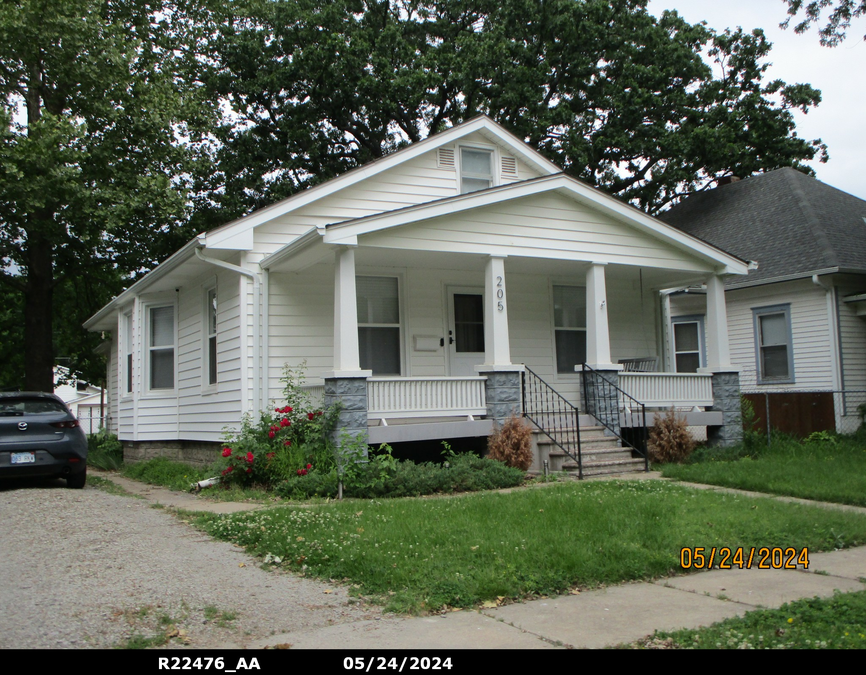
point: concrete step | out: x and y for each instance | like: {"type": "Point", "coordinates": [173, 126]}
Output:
{"type": "Point", "coordinates": [594, 455]}
{"type": "Point", "coordinates": [606, 467]}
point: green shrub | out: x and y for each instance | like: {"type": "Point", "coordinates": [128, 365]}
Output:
{"type": "Point", "coordinates": [753, 438]}
{"type": "Point", "coordinates": [104, 451]}
{"type": "Point", "coordinates": [383, 476]}
{"type": "Point", "coordinates": [293, 440]}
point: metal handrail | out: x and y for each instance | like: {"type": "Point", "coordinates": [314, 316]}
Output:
{"type": "Point", "coordinates": [555, 416]}
{"type": "Point", "coordinates": [609, 391]}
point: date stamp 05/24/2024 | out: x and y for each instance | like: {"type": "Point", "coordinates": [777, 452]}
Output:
{"type": "Point", "coordinates": [762, 558]}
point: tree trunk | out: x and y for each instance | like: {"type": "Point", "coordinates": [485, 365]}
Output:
{"type": "Point", "coordinates": [38, 307]}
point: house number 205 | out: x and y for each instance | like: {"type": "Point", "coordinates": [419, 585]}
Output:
{"type": "Point", "coordinates": [500, 295]}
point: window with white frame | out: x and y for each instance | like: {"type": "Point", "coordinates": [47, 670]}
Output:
{"type": "Point", "coordinates": [210, 315]}
{"type": "Point", "coordinates": [160, 345]}
{"type": "Point", "coordinates": [379, 324]}
{"type": "Point", "coordinates": [476, 169]}
{"type": "Point", "coordinates": [127, 352]}
{"type": "Point", "coordinates": [688, 343]}
{"type": "Point", "coordinates": [569, 321]}
{"type": "Point", "coordinates": [774, 344]}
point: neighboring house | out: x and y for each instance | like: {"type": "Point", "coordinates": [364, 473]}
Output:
{"type": "Point", "coordinates": [415, 288]}
{"type": "Point", "coordinates": [86, 401]}
{"type": "Point", "coordinates": [798, 322]}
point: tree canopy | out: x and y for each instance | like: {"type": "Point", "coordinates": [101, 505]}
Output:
{"type": "Point", "coordinates": [96, 124]}
{"type": "Point", "coordinates": [841, 12]}
{"type": "Point", "coordinates": [617, 97]}
{"type": "Point", "coordinates": [128, 125]}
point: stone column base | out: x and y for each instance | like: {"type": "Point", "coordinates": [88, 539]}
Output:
{"type": "Point", "coordinates": [726, 398]}
{"type": "Point", "coordinates": [503, 391]}
{"type": "Point", "coordinates": [351, 394]}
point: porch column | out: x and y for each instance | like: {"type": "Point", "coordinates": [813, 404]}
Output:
{"type": "Point", "coordinates": [726, 377]}
{"type": "Point", "coordinates": [347, 384]}
{"type": "Point", "coordinates": [599, 398]}
{"type": "Point", "coordinates": [346, 358]}
{"type": "Point", "coordinates": [597, 330]}
{"type": "Point", "coordinates": [502, 388]}
{"type": "Point", "coordinates": [497, 351]}
{"type": "Point", "coordinates": [718, 350]}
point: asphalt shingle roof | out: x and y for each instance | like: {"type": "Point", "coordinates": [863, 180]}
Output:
{"type": "Point", "coordinates": [790, 223]}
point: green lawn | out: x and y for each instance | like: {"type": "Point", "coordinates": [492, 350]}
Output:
{"type": "Point", "coordinates": [420, 554]}
{"type": "Point", "coordinates": [824, 471]}
{"type": "Point", "coordinates": [815, 623]}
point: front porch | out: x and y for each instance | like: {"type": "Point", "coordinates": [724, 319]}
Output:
{"type": "Point", "coordinates": [436, 317]}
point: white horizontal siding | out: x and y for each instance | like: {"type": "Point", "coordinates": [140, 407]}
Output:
{"type": "Point", "coordinates": [852, 336]}
{"type": "Point", "coordinates": [810, 333]}
{"type": "Point", "coordinates": [415, 181]}
{"type": "Point", "coordinates": [540, 226]}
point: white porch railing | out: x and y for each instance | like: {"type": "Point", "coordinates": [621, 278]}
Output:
{"type": "Point", "coordinates": [425, 396]}
{"type": "Point", "coordinates": [663, 390]}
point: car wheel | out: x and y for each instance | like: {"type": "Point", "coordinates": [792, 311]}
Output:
{"type": "Point", "coordinates": [76, 481]}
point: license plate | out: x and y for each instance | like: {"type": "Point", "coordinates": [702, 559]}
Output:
{"type": "Point", "coordinates": [23, 458]}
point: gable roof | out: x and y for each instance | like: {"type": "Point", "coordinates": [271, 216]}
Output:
{"type": "Point", "coordinates": [793, 225]}
{"type": "Point", "coordinates": [238, 233]}
{"type": "Point", "coordinates": [312, 245]}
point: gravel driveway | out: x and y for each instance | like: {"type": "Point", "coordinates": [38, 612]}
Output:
{"type": "Point", "coordinates": [85, 568]}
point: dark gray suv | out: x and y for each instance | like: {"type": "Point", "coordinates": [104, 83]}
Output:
{"type": "Point", "coordinates": [39, 436]}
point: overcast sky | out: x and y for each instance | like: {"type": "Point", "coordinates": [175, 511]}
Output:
{"type": "Point", "coordinates": [839, 72]}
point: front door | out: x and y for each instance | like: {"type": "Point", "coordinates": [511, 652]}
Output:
{"type": "Point", "coordinates": [465, 341]}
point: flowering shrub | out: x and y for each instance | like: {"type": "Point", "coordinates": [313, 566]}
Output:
{"type": "Point", "coordinates": [288, 440]}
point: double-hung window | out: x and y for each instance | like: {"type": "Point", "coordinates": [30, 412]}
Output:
{"type": "Point", "coordinates": [688, 343]}
{"type": "Point", "coordinates": [160, 345]}
{"type": "Point", "coordinates": [774, 352]}
{"type": "Point", "coordinates": [211, 335]}
{"type": "Point", "coordinates": [379, 324]}
{"type": "Point", "coordinates": [127, 353]}
{"type": "Point", "coordinates": [569, 321]}
{"type": "Point", "coordinates": [476, 169]}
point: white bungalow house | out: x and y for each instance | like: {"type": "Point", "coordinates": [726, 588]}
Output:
{"type": "Point", "coordinates": [417, 289]}
{"type": "Point", "coordinates": [797, 323]}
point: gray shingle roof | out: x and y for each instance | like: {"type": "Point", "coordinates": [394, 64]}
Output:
{"type": "Point", "coordinates": [790, 223]}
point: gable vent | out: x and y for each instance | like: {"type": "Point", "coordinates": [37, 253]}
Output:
{"type": "Point", "coordinates": [509, 167]}
{"type": "Point", "coordinates": [446, 158]}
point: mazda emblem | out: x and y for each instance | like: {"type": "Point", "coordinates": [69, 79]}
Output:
{"type": "Point", "coordinates": [22, 426]}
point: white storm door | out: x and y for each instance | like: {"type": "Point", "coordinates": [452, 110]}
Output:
{"type": "Point", "coordinates": [464, 343]}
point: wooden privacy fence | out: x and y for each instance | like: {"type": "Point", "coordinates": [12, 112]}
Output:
{"type": "Point", "coordinates": [803, 413]}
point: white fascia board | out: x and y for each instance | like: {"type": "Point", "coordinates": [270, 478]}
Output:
{"type": "Point", "coordinates": [236, 240]}
{"type": "Point", "coordinates": [97, 321]}
{"type": "Point", "coordinates": [348, 231]}
{"type": "Point", "coordinates": [483, 123]}
{"type": "Point", "coordinates": [310, 238]}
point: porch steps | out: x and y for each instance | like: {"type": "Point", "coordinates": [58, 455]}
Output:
{"type": "Point", "coordinates": [601, 453]}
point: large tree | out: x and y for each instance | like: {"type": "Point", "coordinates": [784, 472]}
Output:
{"type": "Point", "coordinates": [841, 12]}
{"type": "Point", "coordinates": [619, 98]}
{"type": "Point", "coordinates": [95, 141]}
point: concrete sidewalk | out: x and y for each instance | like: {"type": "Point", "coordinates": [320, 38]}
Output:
{"type": "Point", "coordinates": [591, 619]}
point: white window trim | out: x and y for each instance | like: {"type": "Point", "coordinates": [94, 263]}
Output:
{"type": "Point", "coordinates": [494, 164]}
{"type": "Point", "coordinates": [404, 348]}
{"type": "Point", "coordinates": [557, 376]}
{"type": "Point", "coordinates": [126, 349]}
{"type": "Point", "coordinates": [146, 337]}
{"type": "Point", "coordinates": [702, 342]}
{"type": "Point", "coordinates": [208, 387]}
{"type": "Point", "coordinates": [757, 313]}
